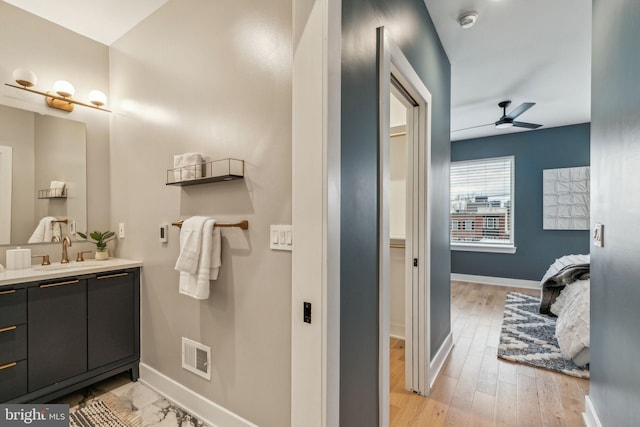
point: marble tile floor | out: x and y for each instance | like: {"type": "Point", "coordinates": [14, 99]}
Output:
{"type": "Point", "coordinates": [139, 405]}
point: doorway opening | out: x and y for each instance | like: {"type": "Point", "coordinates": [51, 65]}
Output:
{"type": "Point", "coordinates": [398, 79]}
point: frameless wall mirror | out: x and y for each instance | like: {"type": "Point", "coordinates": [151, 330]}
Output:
{"type": "Point", "coordinates": [37, 154]}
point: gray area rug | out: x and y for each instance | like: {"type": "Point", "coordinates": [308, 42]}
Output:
{"type": "Point", "coordinates": [529, 337]}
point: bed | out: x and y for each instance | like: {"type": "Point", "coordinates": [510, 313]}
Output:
{"type": "Point", "coordinates": [565, 294]}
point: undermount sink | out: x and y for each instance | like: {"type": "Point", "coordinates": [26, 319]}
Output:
{"type": "Point", "coordinates": [69, 266]}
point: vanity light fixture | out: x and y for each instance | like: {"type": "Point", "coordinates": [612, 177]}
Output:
{"type": "Point", "coordinates": [62, 95]}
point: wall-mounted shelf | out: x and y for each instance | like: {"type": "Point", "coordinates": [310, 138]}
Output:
{"type": "Point", "coordinates": [52, 193]}
{"type": "Point", "coordinates": [213, 171]}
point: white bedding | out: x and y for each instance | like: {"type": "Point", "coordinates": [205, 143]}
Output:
{"type": "Point", "coordinates": [572, 326]}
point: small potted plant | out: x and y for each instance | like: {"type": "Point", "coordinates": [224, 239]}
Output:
{"type": "Point", "coordinates": [100, 238]}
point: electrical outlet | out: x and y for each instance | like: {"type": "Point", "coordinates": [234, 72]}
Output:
{"type": "Point", "coordinates": [121, 230]}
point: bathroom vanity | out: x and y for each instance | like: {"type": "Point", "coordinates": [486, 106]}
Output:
{"type": "Point", "coordinates": [66, 326]}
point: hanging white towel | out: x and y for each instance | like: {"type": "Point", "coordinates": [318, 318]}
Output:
{"type": "Point", "coordinates": [43, 231]}
{"type": "Point", "coordinates": [197, 285]}
{"type": "Point", "coordinates": [190, 244]}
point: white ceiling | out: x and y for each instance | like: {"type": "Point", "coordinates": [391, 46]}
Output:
{"type": "Point", "coordinates": [102, 20]}
{"type": "Point", "coordinates": [519, 50]}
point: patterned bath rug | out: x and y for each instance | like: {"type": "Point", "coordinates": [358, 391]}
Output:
{"type": "Point", "coordinates": [529, 337]}
{"type": "Point", "coordinates": [99, 413]}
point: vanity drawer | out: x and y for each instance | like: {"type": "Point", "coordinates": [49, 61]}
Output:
{"type": "Point", "coordinates": [13, 380]}
{"type": "Point", "coordinates": [13, 343]}
{"type": "Point", "coordinates": [13, 307]}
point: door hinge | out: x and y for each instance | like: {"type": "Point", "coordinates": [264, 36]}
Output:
{"type": "Point", "coordinates": [415, 262]}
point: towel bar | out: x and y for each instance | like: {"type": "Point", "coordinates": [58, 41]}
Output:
{"type": "Point", "coordinates": [244, 225]}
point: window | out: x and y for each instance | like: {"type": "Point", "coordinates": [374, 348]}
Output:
{"type": "Point", "coordinates": [490, 223]}
{"type": "Point", "coordinates": [482, 204]}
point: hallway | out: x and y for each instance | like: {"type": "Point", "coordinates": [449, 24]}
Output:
{"type": "Point", "coordinates": [475, 388]}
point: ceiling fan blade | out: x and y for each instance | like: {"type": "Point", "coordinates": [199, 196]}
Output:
{"type": "Point", "coordinates": [472, 127]}
{"type": "Point", "coordinates": [526, 125]}
{"type": "Point", "coordinates": [520, 109]}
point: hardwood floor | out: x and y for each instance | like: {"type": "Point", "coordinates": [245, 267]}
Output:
{"type": "Point", "coordinates": [475, 388]}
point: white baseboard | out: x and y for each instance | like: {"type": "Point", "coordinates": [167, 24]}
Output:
{"type": "Point", "coordinates": [396, 330]}
{"type": "Point", "coordinates": [496, 281]}
{"type": "Point", "coordinates": [439, 360]}
{"type": "Point", "coordinates": [589, 415]}
{"type": "Point", "coordinates": [204, 409]}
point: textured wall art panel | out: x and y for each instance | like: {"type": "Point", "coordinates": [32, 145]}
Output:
{"type": "Point", "coordinates": [566, 198]}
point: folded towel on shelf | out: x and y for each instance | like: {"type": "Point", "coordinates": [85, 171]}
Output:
{"type": "Point", "coordinates": [44, 230]}
{"type": "Point", "coordinates": [196, 285]}
{"type": "Point", "coordinates": [178, 162]}
{"type": "Point", "coordinates": [192, 166]}
{"type": "Point", "coordinates": [57, 188]}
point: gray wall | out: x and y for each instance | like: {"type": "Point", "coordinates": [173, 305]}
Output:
{"type": "Point", "coordinates": [534, 151]}
{"type": "Point", "coordinates": [615, 133]}
{"type": "Point", "coordinates": [211, 77]}
{"type": "Point", "coordinates": [410, 26]}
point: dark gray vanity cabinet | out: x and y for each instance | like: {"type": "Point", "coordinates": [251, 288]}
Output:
{"type": "Point", "coordinates": [57, 331]}
{"type": "Point", "coordinates": [61, 335]}
{"type": "Point", "coordinates": [13, 343]}
{"type": "Point", "coordinates": [112, 312]}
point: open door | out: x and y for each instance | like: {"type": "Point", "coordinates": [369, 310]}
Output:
{"type": "Point", "coordinates": [397, 76]}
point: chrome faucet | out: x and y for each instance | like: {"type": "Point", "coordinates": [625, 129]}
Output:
{"type": "Point", "coordinates": [66, 242]}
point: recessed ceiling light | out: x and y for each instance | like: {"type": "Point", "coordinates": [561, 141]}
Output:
{"type": "Point", "coordinates": [467, 19]}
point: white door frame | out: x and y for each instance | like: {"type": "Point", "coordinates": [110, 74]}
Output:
{"type": "Point", "coordinates": [6, 171]}
{"type": "Point", "coordinates": [417, 333]}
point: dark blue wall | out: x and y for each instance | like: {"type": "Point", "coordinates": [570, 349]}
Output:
{"type": "Point", "coordinates": [534, 151]}
{"type": "Point", "coordinates": [409, 25]}
{"type": "Point", "coordinates": [615, 269]}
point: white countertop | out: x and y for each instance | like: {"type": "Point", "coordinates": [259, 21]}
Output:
{"type": "Point", "coordinates": [56, 270]}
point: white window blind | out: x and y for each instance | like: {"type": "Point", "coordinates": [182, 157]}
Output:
{"type": "Point", "coordinates": [482, 202]}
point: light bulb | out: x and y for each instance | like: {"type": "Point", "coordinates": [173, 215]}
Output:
{"type": "Point", "coordinates": [97, 98]}
{"type": "Point", "coordinates": [504, 125]}
{"type": "Point", "coordinates": [24, 77]}
{"type": "Point", "coordinates": [64, 88]}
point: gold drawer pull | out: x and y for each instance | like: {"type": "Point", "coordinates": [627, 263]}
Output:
{"type": "Point", "coordinates": [8, 292]}
{"type": "Point", "coordinates": [7, 329]}
{"type": "Point", "coordinates": [8, 365]}
{"type": "Point", "coordinates": [113, 275]}
{"type": "Point", "coordinates": [50, 285]}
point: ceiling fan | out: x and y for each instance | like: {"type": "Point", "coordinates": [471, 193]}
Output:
{"type": "Point", "coordinates": [507, 120]}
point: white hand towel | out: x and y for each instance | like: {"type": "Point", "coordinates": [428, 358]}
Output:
{"type": "Point", "coordinates": [190, 244]}
{"type": "Point", "coordinates": [197, 285]}
{"type": "Point", "coordinates": [40, 233]}
{"type": "Point", "coordinates": [49, 225]}
{"type": "Point", "coordinates": [216, 250]}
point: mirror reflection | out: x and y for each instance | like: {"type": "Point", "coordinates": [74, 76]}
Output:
{"type": "Point", "coordinates": [42, 177]}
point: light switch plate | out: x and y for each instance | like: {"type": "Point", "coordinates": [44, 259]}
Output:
{"type": "Point", "coordinates": [598, 235]}
{"type": "Point", "coordinates": [281, 237]}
